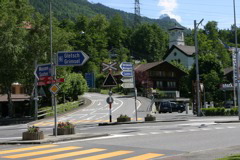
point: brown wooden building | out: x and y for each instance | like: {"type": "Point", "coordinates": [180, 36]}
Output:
{"type": "Point", "coordinates": [161, 76]}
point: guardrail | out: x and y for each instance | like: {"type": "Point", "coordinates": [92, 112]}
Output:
{"type": "Point", "coordinates": [45, 112]}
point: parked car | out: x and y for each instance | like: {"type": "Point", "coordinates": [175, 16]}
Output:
{"type": "Point", "coordinates": [164, 106]}
{"type": "Point", "coordinates": [177, 107]}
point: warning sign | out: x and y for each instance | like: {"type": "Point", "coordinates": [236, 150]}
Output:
{"type": "Point", "coordinates": [109, 81]}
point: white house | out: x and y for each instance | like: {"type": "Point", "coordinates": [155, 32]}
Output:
{"type": "Point", "coordinates": [178, 51]}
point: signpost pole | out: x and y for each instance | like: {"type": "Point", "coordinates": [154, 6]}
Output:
{"type": "Point", "coordinates": [135, 90]}
{"type": "Point", "coordinates": [54, 99]}
{"type": "Point", "coordinates": [110, 105]}
{"type": "Point", "coordinates": [36, 95]}
{"type": "Point", "coordinates": [53, 70]}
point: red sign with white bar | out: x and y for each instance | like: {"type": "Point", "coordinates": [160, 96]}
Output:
{"type": "Point", "coordinates": [48, 80]}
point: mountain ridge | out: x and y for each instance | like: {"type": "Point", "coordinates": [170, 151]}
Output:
{"type": "Point", "coordinates": [72, 8]}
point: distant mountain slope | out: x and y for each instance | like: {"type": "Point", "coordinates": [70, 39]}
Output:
{"type": "Point", "coordinates": [72, 8]}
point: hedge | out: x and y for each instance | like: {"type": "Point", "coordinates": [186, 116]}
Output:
{"type": "Point", "coordinates": [220, 111]}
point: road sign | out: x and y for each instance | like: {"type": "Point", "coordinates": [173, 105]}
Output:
{"type": "Point", "coordinates": [109, 100]}
{"type": "Point", "coordinates": [127, 73]}
{"type": "Point", "coordinates": [127, 79]}
{"type": "Point", "coordinates": [109, 66]}
{"type": "Point", "coordinates": [90, 78]}
{"type": "Point", "coordinates": [41, 83]}
{"type": "Point", "coordinates": [127, 85]}
{"type": "Point", "coordinates": [126, 66]}
{"type": "Point", "coordinates": [54, 89]}
{"type": "Point", "coordinates": [72, 58]}
{"type": "Point", "coordinates": [43, 70]}
{"type": "Point", "coordinates": [59, 80]}
{"type": "Point", "coordinates": [45, 78]}
{"type": "Point", "coordinates": [109, 81]}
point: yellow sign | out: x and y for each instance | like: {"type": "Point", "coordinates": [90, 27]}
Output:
{"type": "Point", "coordinates": [54, 89]}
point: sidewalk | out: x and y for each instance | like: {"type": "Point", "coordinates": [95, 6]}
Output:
{"type": "Point", "coordinates": [53, 139]}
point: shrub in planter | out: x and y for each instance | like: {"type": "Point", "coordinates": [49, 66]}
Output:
{"type": "Point", "coordinates": [33, 133]}
{"type": "Point", "coordinates": [150, 117]}
{"type": "Point", "coordinates": [65, 128]}
{"type": "Point", "coordinates": [123, 118]}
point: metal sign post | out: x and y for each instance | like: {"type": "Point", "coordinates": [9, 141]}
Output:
{"type": "Point", "coordinates": [109, 82]}
{"type": "Point", "coordinates": [129, 79]}
{"type": "Point", "coordinates": [110, 101]}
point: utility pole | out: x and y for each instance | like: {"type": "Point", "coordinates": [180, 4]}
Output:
{"type": "Point", "coordinates": [237, 55]}
{"type": "Point", "coordinates": [197, 68]}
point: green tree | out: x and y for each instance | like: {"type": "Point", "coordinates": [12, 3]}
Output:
{"type": "Point", "coordinates": [14, 16]}
{"type": "Point", "coordinates": [149, 42]}
{"type": "Point", "coordinates": [73, 86]}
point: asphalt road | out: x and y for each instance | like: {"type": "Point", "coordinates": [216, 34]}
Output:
{"type": "Point", "coordinates": [192, 138]}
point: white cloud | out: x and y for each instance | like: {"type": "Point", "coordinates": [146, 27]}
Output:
{"type": "Point", "coordinates": [169, 7]}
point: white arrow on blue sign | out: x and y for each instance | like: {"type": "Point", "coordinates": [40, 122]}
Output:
{"type": "Point", "coordinates": [127, 73]}
{"type": "Point", "coordinates": [43, 70]}
{"type": "Point", "coordinates": [72, 58]}
{"type": "Point", "coordinates": [126, 66]}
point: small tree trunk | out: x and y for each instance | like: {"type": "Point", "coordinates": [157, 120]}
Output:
{"type": "Point", "coordinates": [10, 104]}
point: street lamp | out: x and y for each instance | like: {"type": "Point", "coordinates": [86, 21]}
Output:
{"type": "Point", "coordinates": [197, 69]}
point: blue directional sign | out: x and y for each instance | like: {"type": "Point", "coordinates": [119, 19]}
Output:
{"type": "Point", "coordinates": [72, 58]}
{"type": "Point", "coordinates": [90, 80]}
{"type": "Point", "coordinates": [126, 66]}
{"type": "Point", "coordinates": [127, 73]}
{"type": "Point", "coordinates": [43, 70]}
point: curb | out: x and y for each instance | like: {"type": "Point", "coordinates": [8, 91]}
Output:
{"type": "Point", "coordinates": [120, 123]}
{"type": "Point", "coordinates": [236, 121]}
{"type": "Point", "coordinates": [53, 139]}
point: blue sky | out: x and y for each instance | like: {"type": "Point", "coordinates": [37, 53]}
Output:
{"type": "Point", "coordinates": [184, 11]}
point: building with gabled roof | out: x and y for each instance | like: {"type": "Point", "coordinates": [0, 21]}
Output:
{"type": "Point", "coordinates": [178, 51]}
{"type": "Point", "coordinates": [181, 54]}
{"type": "Point", "coordinates": [162, 76]}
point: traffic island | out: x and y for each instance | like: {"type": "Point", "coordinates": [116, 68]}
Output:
{"type": "Point", "coordinates": [54, 139]}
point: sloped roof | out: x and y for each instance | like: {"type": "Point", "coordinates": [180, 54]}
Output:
{"type": "Point", "coordinates": [227, 70]}
{"type": "Point", "coordinates": [147, 66]}
{"type": "Point", "coordinates": [176, 27]}
{"type": "Point", "coordinates": [15, 97]}
{"type": "Point", "coordinates": [187, 50]}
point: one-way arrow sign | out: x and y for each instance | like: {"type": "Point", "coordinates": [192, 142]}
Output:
{"type": "Point", "coordinates": [72, 58]}
{"type": "Point", "coordinates": [43, 70]}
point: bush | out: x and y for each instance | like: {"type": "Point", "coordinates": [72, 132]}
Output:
{"type": "Point", "coordinates": [220, 111]}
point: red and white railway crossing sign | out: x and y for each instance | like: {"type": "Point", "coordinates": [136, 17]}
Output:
{"type": "Point", "coordinates": [109, 66]}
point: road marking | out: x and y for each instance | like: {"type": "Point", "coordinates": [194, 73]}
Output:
{"type": "Point", "coordinates": [155, 133]}
{"type": "Point", "coordinates": [66, 155]}
{"type": "Point", "coordinates": [41, 152]}
{"type": "Point", "coordinates": [27, 149]}
{"type": "Point", "coordinates": [97, 138]}
{"type": "Point", "coordinates": [193, 130]}
{"type": "Point", "coordinates": [145, 156]}
{"type": "Point", "coordinates": [168, 131]}
{"type": "Point", "coordinates": [206, 129]}
{"type": "Point", "coordinates": [180, 131]}
{"type": "Point", "coordinates": [106, 155]}
{"type": "Point", "coordinates": [231, 127]}
{"type": "Point", "coordinates": [142, 134]}
{"type": "Point", "coordinates": [219, 128]}
{"type": "Point", "coordinates": [12, 137]}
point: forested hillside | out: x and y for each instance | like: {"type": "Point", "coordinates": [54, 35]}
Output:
{"type": "Point", "coordinates": [72, 8]}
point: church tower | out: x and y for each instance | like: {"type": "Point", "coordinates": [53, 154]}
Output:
{"type": "Point", "coordinates": [176, 36]}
